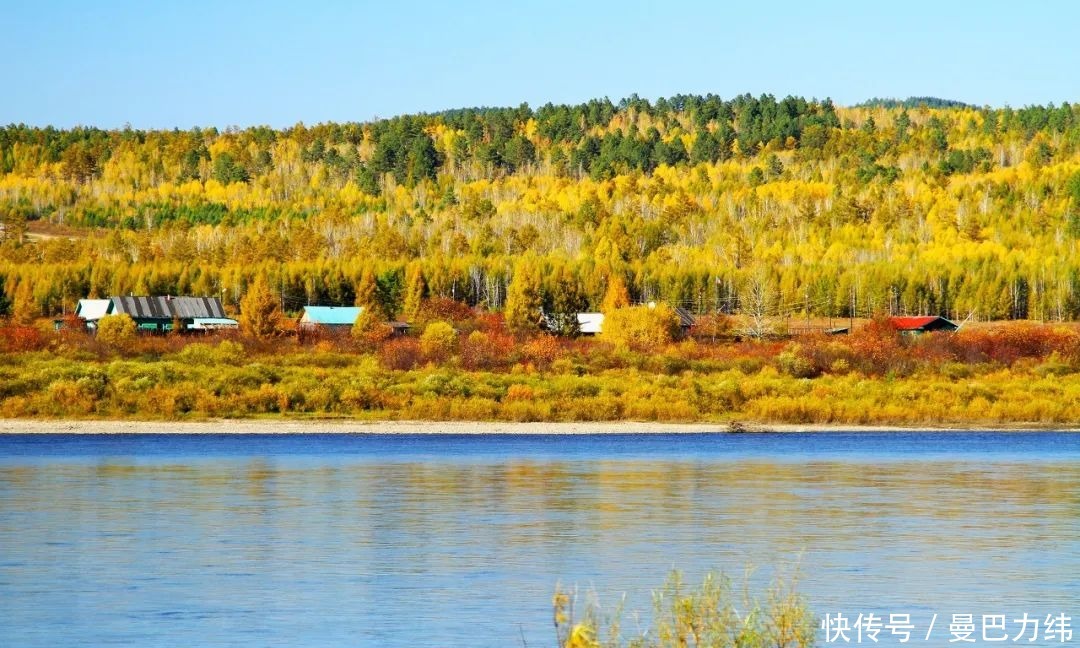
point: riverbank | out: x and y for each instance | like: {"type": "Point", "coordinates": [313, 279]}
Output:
{"type": "Point", "coordinates": [285, 426]}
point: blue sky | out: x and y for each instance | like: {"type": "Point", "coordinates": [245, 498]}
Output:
{"type": "Point", "coordinates": [162, 65]}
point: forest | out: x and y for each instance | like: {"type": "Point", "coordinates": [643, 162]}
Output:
{"type": "Point", "coordinates": [790, 206]}
{"type": "Point", "coordinates": [754, 214]}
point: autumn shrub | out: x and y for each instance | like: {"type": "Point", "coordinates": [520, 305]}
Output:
{"type": "Point", "coordinates": [714, 613]}
{"type": "Point", "coordinates": [369, 330]}
{"type": "Point", "coordinates": [444, 309]}
{"type": "Point", "coordinates": [18, 339]}
{"type": "Point", "coordinates": [438, 341]}
{"type": "Point", "coordinates": [877, 348]}
{"type": "Point", "coordinates": [642, 327]}
{"type": "Point", "coordinates": [794, 362]}
{"type": "Point", "coordinates": [1007, 343]}
{"type": "Point", "coordinates": [713, 327]}
{"type": "Point", "coordinates": [485, 351]}
{"type": "Point", "coordinates": [401, 354]}
{"type": "Point", "coordinates": [541, 350]}
{"type": "Point", "coordinates": [116, 332]}
{"type": "Point", "coordinates": [205, 354]}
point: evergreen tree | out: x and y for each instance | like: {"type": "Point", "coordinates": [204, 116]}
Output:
{"type": "Point", "coordinates": [523, 297]}
{"type": "Point", "coordinates": [415, 291]}
{"type": "Point", "coordinates": [260, 313]}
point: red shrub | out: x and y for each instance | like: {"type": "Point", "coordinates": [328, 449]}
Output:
{"type": "Point", "coordinates": [487, 351]}
{"type": "Point", "coordinates": [401, 354]}
{"type": "Point", "coordinates": [14, 339]}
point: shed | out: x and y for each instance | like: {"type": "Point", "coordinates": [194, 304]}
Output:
{"type": "Point", "coordinates": [156, 314]}
{"type": "Point", "coordinates": [922, 324]}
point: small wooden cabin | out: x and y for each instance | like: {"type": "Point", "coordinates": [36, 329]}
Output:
{"type": "Point", "coordinates": [922, 324]}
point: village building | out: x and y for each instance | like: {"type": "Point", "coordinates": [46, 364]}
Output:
{"type": "Point", "coordinates": [155, 314]}
{"type": "Point", "coordinates": [91, 310]}
{"type": "Point", "coordinates": [590, 324]}
{"type": "Point", "coordinates": [339, 318]}
{"type": "Point", "coordinates": [159, 314]}
{"type": "Point", "coordinates": [915, 325]}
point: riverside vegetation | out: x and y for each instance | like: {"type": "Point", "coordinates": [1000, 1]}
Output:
{"type": "Point", "coordinates": [475, 368]}
{"type": "Point", "coordinates": [467, 223]}
{"type": "Point", "coordinates": [711, 614]}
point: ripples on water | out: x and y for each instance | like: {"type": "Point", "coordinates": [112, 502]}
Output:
{"type": "Point", "coordinates": [451, 541]}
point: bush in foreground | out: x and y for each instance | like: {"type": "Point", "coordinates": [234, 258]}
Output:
{"type": "Point", "coordinates": [683, 617]}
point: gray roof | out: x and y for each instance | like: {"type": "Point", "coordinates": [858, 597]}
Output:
{"type": "Point", "coordinates": [686, 320]}
{"type": "Point", "coordinates": [159, 307]}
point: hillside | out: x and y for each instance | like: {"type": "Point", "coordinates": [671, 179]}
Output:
{"type": "Point", "coordinates": [780, 206]}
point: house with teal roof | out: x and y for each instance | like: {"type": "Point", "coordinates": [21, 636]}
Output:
{"type": "Point", "coordinates": [330, 316]}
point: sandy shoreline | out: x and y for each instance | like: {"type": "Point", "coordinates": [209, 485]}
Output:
{"type": "Point", "coordinates": [285, 426]}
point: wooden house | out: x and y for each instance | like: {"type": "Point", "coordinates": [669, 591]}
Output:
{"type": "Point", "coordinates": [158, 314]}
{"type": "Point", "coordinates": [339, 318]}
{"type": "Point", "coordinates": [915, 325]}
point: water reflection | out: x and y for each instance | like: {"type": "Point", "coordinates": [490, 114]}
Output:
{"type": "Point", "coordinates": [332, 549]}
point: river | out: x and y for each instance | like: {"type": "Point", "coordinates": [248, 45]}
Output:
{"type": "Point", "coordinates": [421, 540]}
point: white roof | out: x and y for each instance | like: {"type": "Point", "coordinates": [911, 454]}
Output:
{"type": "Point", "coordinates": [92, 310]}
{"type": "Point", "coordinates": [590, 322]}
{"type": "Point", "coordinates": [213, 323]}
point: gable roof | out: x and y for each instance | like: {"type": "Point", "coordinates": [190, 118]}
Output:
{"type": "Point", "coordinates": [331, 315]}
{"type": "Point", "coordinates": [160, 307]}
{"type": "Point", "coordinates": [590, 322]}
{"type": "Point", "coordinates": [922, 323]}
{"type": "Point", "coordinates": [686, 320]}
{"type": "Point", "coordinates": [92, 310]}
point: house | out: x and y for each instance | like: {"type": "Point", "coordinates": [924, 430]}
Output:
{"type": "Point", "coordinates": [922, 324]}
{"type": "Point", "coordinates": [686, 320]}
{"type": "Point", "coordinates": [330, 316]}
{"type": "Point", "coordinates": [593, 323]}
{"type": "Point", "coordinates": [157, 314]}
{"type": "Point", "coordinates": [340, 317]}
{"type": "Point", "coordinates": [91, 310]}
{"type": "Point", "coordinates": [213, 324]}
{"type": "Point", "coordinates": [590, 323]}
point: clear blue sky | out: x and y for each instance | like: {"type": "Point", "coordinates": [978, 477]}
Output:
{"type": "Point", "coordinates": [181, 64]}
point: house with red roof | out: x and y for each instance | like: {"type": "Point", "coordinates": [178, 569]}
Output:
{"type": "Point", "coordinates": [922, 324]}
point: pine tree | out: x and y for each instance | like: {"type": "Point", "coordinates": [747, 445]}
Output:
{"type": "Point", "coordinates": [617, 296]}
{"type": "Point", "coordinates": [415, 291]}
{"type": "Point", "coordinates": [523, 298]}
{"type": "Point", "coordinates": [25, 309]}
{"type": "Point", "coordinates": [367, 292]}
{"type": "Point", "coordinates": [260, 313]}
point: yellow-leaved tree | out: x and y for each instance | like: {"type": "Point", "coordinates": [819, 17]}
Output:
{"type": "Point", "coordinates": [116, 331]}
{"type": "Point", "coordinates": [523, 298]}
{"type": "Point", "coordinates": [260, 313]}
{"type": "Point", "coordinates": [642, 327]}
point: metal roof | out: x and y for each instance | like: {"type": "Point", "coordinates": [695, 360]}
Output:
{"type": "Point", "coordinates": [92, 309]}
{"type": "Point", "coordinates": [922, 323]}
{"type": "Point", "coordinates": [213, 323]}
{"type": "Point", "coordinates": [590, 323]}
{"type": "Point", "coordinates": [162, 308]}
{"type": "Point", "coordinates": [331, 315]}
{"type": "Point", "coordinates": [686, 320]}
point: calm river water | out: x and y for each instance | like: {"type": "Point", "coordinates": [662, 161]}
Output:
{"type": "Point", "coordinates": [324, 540]}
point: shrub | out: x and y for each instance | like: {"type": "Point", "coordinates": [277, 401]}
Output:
{"type": "Point", "coordinates": [369, 330]}
{"type": "Point", "coordinates": [712, 614]}
{"type": "Point", "coordinates": [438, 341]}
{"type": "Point", "coordinates": [400, 354]}
{"type": "Point", "coordinates": [116, 332]}
{"type": "Point", "coordinates": [794, 363]}
{"type": "Point", "coordinates": [645, 328]}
